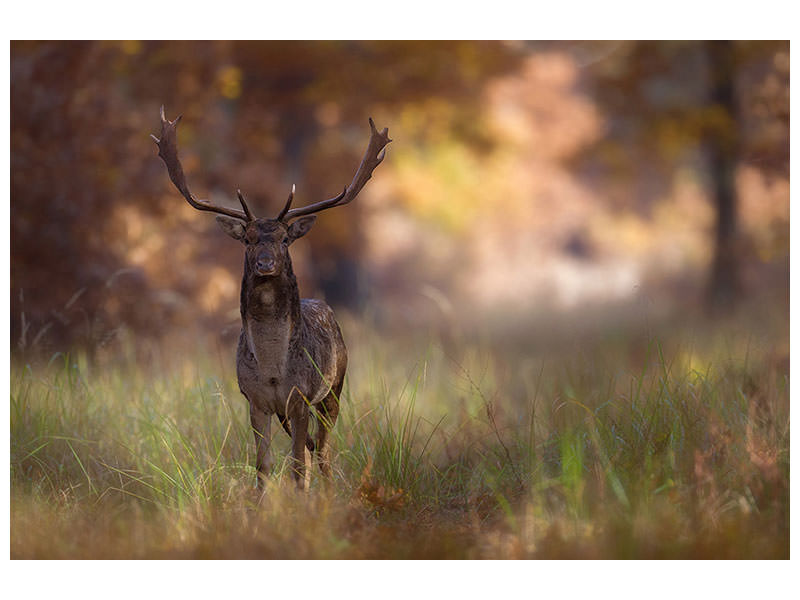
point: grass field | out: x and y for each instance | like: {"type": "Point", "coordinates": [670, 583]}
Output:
{"type": "Point", "coordinates": [666, 441]}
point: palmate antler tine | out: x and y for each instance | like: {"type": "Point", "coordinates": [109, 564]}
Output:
{"type": "Point", "coordinates": [168, 151]}
{"type": "Point", "coordinates": [374, 155]}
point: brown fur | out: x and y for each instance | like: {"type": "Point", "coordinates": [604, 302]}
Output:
{"type": "Point", "coordinates": [291, 358]}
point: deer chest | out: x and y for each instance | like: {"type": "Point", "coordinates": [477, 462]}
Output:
{"type": "Point", "coordinates": [268, 342]}
{"type": "Point", "coordinates": [263, 365]}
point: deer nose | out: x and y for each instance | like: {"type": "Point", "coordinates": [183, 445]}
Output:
{"type": "Point", "coordinates": [265, 265]}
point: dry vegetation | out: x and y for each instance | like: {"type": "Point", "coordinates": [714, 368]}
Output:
{"type": "Point", "coordinates": [667, 441]}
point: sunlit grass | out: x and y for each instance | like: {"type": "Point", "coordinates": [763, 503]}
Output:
{"type": "Point", "coordinates": [670, 443]}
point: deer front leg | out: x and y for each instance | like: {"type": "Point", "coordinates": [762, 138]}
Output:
{"type": "Point", "coordinates": [261, 423]}
{"type": "Point", "coordinates": [299, 433]}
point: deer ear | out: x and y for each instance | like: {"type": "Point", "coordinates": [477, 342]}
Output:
{"type": "Point", "coordinates": [300, 227]}
{"type": "Point", "coordinates": [233, 227]}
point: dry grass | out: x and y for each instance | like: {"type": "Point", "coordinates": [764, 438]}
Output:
{"type": "Point", "coordinates": [622, 444]}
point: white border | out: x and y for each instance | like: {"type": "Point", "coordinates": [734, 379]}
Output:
{"type": "Point", "coordinates": [412, 19]}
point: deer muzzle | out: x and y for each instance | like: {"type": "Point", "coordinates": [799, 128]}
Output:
{"type": "Point", "coordinates": [265, 266]}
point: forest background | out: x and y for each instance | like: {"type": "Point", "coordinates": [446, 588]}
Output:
{"type": "Point", "coordinates": [564, 292]}
{"type": "Point", "coordinates": [526, 180]}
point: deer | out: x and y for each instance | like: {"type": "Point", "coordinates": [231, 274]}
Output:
{"type": "Point", "coordinates": [291, 357]}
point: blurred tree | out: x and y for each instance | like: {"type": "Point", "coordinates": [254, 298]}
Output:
{"type": "Point", "coordinates": [706, 106]}
{"type": "Point", "coordinates": [723, 150]}
{"type": "Point", "coordinates": [79, 171]}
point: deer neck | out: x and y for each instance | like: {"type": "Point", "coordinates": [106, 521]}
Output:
{"type": "Point", "coordinates": [270, 308]}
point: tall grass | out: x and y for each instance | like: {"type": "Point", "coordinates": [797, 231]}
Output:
{"type": "Point", "coordinates": [620, 444]}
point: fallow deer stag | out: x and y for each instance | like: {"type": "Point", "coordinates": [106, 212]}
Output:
{"type": "Point", "coordinates": [291, 355]}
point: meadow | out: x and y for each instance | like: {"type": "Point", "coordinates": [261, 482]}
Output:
{"type": "Point", "coordinates": [663, 438]}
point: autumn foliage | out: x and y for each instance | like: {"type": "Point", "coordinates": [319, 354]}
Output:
{"type": "Point", "coordinates": [525, 177]}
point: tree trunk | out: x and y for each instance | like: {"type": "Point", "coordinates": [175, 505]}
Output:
{"type": "Point", "coordinates": [724, 286]}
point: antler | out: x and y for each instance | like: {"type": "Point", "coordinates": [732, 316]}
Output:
{"type": "Point", "coordinates": [168, 151]}
{"type": "Point", "coordinates": [286, 206]}
{"type": "Point", "coordinates": [376, 152]}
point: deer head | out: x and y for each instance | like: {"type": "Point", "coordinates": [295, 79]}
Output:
{"type": "Point", "coordinates": [267, 240]}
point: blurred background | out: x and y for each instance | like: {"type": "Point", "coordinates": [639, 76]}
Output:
{"type": "Point", "coordinates": [529, 183]}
